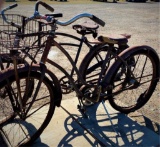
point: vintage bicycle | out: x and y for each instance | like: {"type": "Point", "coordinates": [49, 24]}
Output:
{"type": "Point", "coordinates": [29, 92]}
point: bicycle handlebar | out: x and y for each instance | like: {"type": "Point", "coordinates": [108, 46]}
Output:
{"type": "Point", "coordinates": [99, 21]}
{"type": "Point", "coordinates": [92, 17]}
{"type": "Point", "coordinates": [12, 6]}
{"type": "Point", "coordinates": [28, 19]}
{"type": "Point", "coordinates": [5, 19]}
{"type": "Point", "coordinates": [50, 17]}
{"type": "Point", "coordinates": [44, 5]}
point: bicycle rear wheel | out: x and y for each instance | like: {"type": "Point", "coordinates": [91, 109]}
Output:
{"type": "Point", "coordinates": [19, 128]}
{"type": "Point", "coordinates": [133, 83]}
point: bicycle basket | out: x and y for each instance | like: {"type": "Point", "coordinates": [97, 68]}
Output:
{"type": "Point", "coordinates": [30, 37]}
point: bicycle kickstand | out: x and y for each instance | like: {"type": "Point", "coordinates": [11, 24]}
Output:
{"type": "Point", "coordinates": [105, 108]}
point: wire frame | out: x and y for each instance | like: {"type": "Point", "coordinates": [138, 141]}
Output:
{"type": "Point", "coordinates": [8, 34]}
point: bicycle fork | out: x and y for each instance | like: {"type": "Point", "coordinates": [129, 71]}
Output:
{"type": "Point", "coordinates": [18, 84]}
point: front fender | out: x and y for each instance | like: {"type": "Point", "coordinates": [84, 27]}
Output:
{"type": "Point", "coordinates": [8, 72]}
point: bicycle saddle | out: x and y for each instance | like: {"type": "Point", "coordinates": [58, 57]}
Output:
{"type": "Point", "coordinates": [86, 28]}
{"type": "Point", "coordinates": [115, 39]}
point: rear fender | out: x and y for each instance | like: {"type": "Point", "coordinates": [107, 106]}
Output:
{"type": "Point", "coordinates": [125, 54]}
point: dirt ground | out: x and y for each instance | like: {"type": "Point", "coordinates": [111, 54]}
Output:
{"type": "Point", "coordinates": [141, 20]}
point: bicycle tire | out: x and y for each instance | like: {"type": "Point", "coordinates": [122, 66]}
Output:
{"type": "Point", "coordinates": [144, 63]}
{"type": "Point", "coordinates": [23, 131]}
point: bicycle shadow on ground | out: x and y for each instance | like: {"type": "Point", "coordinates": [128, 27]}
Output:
{"type": "Point", "coordinates": [17, 123]}
{"type": "Point", "coordinates": [130, 132]}
{"type": "Point", "coordinates": [145, 121]}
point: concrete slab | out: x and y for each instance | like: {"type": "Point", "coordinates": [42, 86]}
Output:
{"type": "Point", "coordinates": [64, 131]}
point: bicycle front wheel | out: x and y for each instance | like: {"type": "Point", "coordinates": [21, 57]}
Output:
{"type": "Point", "coordinates": [133, 78]}
{"type": "Point", "coordinates": [23, 127]}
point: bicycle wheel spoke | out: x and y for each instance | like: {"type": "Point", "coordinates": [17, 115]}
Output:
{"type": "Point", "coordinates": [36, 110]}
{"type": "Point", "coordinates": [94, 67]}
{"type": "Point", "coordinates": [34, 96]}
{"type": "Point", "coordinates": [99, 58]}
{"type": "Point", "coordinates": [92, 76]}
{"type": "Point", "coordinates": [136, 62]}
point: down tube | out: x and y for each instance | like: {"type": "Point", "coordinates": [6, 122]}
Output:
{"type": "Point", "coordinates": [70, 60]}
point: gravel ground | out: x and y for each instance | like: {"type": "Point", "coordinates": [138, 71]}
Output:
{"type": "Point", "coordinates": [141, 20]}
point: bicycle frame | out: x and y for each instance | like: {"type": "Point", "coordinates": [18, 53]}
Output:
{"type": "Point", "coordinates": [82, 40]}
{"type": "Point", "coordinates": [51, 41]}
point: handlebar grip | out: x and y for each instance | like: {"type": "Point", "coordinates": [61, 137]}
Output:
{"type": "Point", "coordinates": [48, 7]}
{"type": "Point", "coordinates": [99, 21]}
{"type": "Point", "coordinates": [12, 6]}
{"type": "Point", "coordinates": [5, 18]}
{"type": "Point", "coordinates": [55, 15]}
{"type": "Point", "coordinates": [44, 5]}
